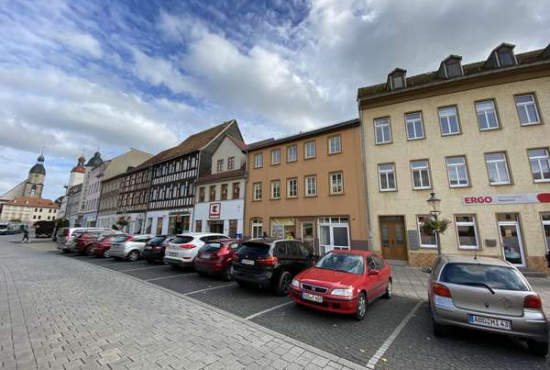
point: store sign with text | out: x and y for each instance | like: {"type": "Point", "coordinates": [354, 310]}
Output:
{"type": "Point", "coordinates": [215, 211]}
{"type": "Point", "coordinates": [494, 199]}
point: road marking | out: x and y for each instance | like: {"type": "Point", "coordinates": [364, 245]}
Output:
{"type": "Point", "coordinates": [207, 289]}
{"type": "Point", "coordinates": [164, 277]}
{"type": "Point", "coordinates": [268, 310]}
{"type": "Point", "coordinates": [142, 268]}
{"type": "Point", "coordinates": [384, 347]}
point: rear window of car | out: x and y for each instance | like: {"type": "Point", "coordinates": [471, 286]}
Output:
{"type": "Point", "coordinates": [349, 263]}
{"type": "Point", "coordinates": [120, 239]}
{"type": "Point", "coordinates": [212, 247]}
{"type": "Point", "coordinates": [182, 239]}
{"type": "Point", "coordinates": [254, 249]}
{"type": "Point", "coordinates": [496, 277]}
{"type": "Point", "coordinates": [157, 240]}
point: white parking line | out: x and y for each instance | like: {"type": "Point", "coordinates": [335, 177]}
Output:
{"type": "Point", "coordinates": [207, 289]}
{"type": "Point", "coordinates": [164, 277]}
{"type": "Point", "coordinates": [268, 310]}
{"type": "Point", "coordinates": [143, 268]}
{"type": "Point", "coordinates": [384, 347]}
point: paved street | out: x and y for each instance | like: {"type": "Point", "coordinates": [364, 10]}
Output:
{"type": "Point", "coordinates": [65, 311]}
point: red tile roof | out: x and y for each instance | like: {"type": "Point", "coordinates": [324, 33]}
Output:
{"type": "Point", "coordinates": [33, 202]}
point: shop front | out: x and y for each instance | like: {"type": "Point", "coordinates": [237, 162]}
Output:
{"type": "Point", "coordinates": [168, 222]}
{"type": "Point", "coordinates": [223, 217]}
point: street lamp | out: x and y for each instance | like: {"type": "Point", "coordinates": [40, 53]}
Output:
{"type": "Point", "coordinates": [434, 203]}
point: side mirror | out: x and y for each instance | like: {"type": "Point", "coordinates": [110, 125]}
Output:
{"type": "Point", "coordinates": [373, 272]}
{"type": "Point", "coordinates": [427, 270]}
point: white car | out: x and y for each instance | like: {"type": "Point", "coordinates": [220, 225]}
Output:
{"type": "Point", "coordinates": [129, 247]}
{"type": "Point", "coordinates": [183, 249]}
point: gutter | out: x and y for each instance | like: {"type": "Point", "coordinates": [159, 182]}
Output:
{"type": "Point", "coordinates": [370, 242]}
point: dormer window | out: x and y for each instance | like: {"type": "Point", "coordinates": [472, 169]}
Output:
{"type": "Point", "coordinates": [396, 79]}
{"type": "Point", "coordinates": [506, 57]}
{"type": "Point", "coordinates": [450, 67]}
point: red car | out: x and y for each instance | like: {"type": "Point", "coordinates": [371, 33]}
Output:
{"type": "Point", "coordinates": [215, 257]}
{"type": "Point", "coordinates": [102, 246]}
{"type": "Point", "coordinates": [343, 282]}
{"type": "Point", "coordinates": [83, 242]}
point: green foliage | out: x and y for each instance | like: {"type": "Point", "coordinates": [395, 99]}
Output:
{"type": "Point", "coordinates": [122, 222]}
{"type": "Point", "coordinates": [433, 226]}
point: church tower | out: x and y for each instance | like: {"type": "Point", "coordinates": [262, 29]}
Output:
{"type": "Point", "coordinates": [78, 172]}
{"type": "Point", "coordinates": [35, 181]}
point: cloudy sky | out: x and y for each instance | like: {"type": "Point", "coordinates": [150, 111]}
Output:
{"type": "Point", "coordinates": [86, 74]}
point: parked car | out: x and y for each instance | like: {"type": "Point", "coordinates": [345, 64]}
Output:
{"type": "Point", "coordinates": [216, 257]}
{"type": "Point", "coordinates": [155, 248]}
{"type": "Point", "coordinates": [343, 281]}
{"type": "Point", "coordinates": [486, 294]}
{"type": "Point", "coordinates": [129, 247]}
{"type": "Point", "coordinates": [86, 240]}
{"type": "Point", "coordinates": [183, 250]}
{"type": "Point", "coordinates": [66, 236]}
{"type": "Point", "coordinates": [270, 263]}
{"type": "Point", "coordinates": [102, 246]}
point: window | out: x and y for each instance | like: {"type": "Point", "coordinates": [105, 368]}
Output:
{"type": "Point", "coordinates": [257, 227]}
{"type": "Point", "coordinates": [311, 186]}
{"type": "Point", "coordinates": [497, 167]}
{"type": "Point", "coordinates": [236, 190]}
{"type": "Point", "coordinates": [258, 160]}
{"type": "Point", "coordinates": [382, 130]}
{"type": "Point", "coordinates": [426, 240]}
{"type": "Point", "coordinates": [466, 231]}
{"type": "Point", "coordinates": [336, 183]}
{"type": "Point", "coordinates": [257, 191]}
{"type": "Point", "coordinates": [309, 150]}
{"type": "Point", "coordinates": [421, 175]}
{"type": "Point", "coordinates": [198, 226]}
{"type": "Point", "coordinates": [230, 163]}
{"type": "Point", "coordinates": [212, 193]}
{"type": "Point", "coordinates": [448, 120]}
{"type": "Point", "coordinates": [334, 144]}
{"type": "Point", "coordinates": [292, 153]}
{"type": "Point", "coordinates": [527, 110]}
{"type": "Point", "coordinates": [292, 188]}
{"type": "Point", "coordinates": [219, 166]}
{"type": "Point", "coordinates": [202, 191]}
{"type": "Point", "coordinates": [275, 156]}
{"type": "Point", "coordinates": [386, 175]}
{"type": "Point", "coordinates": [506, 57]}
{"type": "Point", "coordinates": [486, 115]}
{"type": "Point", "coordinates": [224, 191]}
{"type": "Point", "coordinates": [276, 189]}
{"type": "Point", "coordinates": [453, 68]}
{"type": "Point", "coordinates": [540, 164]}
{"type": "Point", "coordinates": [546, 227]}
{"type": "Point", "coordinates": [457, 172]}
{"type": "Point", "coordinates": [415, 127]}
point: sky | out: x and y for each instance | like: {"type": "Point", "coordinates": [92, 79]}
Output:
{"type": "Point", "coordinates": [82, 75]}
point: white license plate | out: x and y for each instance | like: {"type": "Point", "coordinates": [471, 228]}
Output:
{"type": "Point", "coordinates": [172, 254]}
{"type": "Point", "coordinates": [312, 297]}
{"type": "Point", "coordinates": [247, 262]}
{"type": "Point", "coordinates": [205, 256]}
{"type": "Point", "coordinates": [490, 322]}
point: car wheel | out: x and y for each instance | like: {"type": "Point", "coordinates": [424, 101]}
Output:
{"type": "Point", "coordinates": [361, 311]}
{"type": "Point", "coordinates": [226, 275]}
{"type": "Point", "coordinates": [389, 290]}
{"type": "Point", "coordinates": [133, 256]}
{"type": "Point", "coordinates": [538, 348]}
{"type": "Point", "coordinates": [439, 330]}
{"type": "Point", "coordinates": [106, 253]}
{"type": "Point", "coordinates": [284, 281]}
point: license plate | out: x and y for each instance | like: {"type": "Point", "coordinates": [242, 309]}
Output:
{"type": "Point", "coordinates": [312, 297]}
{"type": "Point", "coordinates": [490, 322]}
{"type": "Point", "coordinates": [205, 256]}
{"type": "Point", "coordinates": [247, 262]}
{"type": "Point", "coordinates": [172, 254]}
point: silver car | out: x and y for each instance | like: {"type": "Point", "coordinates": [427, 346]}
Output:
{"type": "Point", "coordinates": [486, 294]}
{"type": "Point", "coordinates": [129, 247]}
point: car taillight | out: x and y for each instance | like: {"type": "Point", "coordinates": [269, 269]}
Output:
{"type": "Point", "coordinates": [186, 246]}
{"type": "Point", "coordinates": [441, 290]}
{"type": "Point", "coordinates": [267, 261]}
{"type": "Point", "coordinates": [532, 301]}
{"type": "Point", "coordinates": [129, 239]}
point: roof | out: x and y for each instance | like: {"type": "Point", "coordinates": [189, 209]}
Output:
{"type": "Point", "coordinates": [33, 202]}
{"type": "Point", "coordinates": [452, 258]}
{"type": "Point", "coordinates": [306, 134]}
{"type": "Point", "coordinates": [429, 78]}
{"type": "Point", "coordinates": [226, 175]}
{"type": "Point", "coordinates": [95, 160]}
{"type": "Point", "coordinates": [38, 169]}
{"type": "Point", "coordinates": [241, 145]}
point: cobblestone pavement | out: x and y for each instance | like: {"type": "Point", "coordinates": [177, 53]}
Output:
{"type": "Point", "coordinates": [59, 313]}
{"type": "Point", "coordinates": [155, 312]}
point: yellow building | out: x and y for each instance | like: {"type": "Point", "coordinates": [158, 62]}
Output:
{"type": "Point", "coordinates": [478, 136]}
{"type": "Point", "coordinates": [28, 210]}
{"type": "Point", "coordinates": [309, 186]}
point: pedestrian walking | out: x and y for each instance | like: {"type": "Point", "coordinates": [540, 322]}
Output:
{"type": "Point", "coordinates": [25, 236]}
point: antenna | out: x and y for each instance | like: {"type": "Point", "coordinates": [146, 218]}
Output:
{"type": "Point", "coordinates": [42, 151]}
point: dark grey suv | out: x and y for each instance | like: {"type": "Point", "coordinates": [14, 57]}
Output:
{"type": "Point", "coordinates": [270, 263]}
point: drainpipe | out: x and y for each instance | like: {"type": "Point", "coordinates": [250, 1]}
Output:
{"type": "Point", "coordinates": [370, 241]}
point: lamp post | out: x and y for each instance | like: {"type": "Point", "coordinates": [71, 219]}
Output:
{"type": "Point", "coordinates": [434, 204]}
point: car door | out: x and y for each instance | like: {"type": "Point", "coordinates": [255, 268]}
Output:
{"type": "Point", "coordinates": [385, 272]}
{"type": "Point", "coordinates": [281, 252]}
{"type": "Point", "coordinates": [373, 280]}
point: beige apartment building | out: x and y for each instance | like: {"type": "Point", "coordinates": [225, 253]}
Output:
{"type": "Point", "coordinates": [29, 210]}
{"type": "Point", "coordinates": [478, 136]}
{"type": "Point", "coordinates": [309, 186]}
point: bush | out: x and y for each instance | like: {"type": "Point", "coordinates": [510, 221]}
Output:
{"type": "Point", "coordinates": [433, 226]}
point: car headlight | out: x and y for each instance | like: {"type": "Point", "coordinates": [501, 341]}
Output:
{"type": "Point", "coordinates": [347, 292]}
{"type": "Point", "coordinates": [295, 283]}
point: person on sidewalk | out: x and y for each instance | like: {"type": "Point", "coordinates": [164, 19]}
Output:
{"type": "Point", "coordinates": [25, 236]}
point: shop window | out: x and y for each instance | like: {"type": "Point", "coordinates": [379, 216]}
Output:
{"type": "Point", "coordinates": [466, 230]}
{"type": "Point", "coordinates": [333, 233]}
{"type": "Point", "coordinates": [232, 228]}
{"type": "Point", "coordinates": [426, 240]}
{"type": "Point", "coordinates": [527, 110]}
{"type": "Point", "coordinates": [160, 221]}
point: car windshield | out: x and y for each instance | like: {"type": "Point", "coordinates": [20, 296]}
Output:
{"type": "Point", "coordinates": [495, 277]}
{"type": "Point", "coordinates": [254, 249]}
{"type": "Point", "coordinates": [349, 263]}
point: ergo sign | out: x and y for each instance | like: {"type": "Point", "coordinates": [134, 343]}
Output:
{"type": "Point", "coordinates": [526, 198]}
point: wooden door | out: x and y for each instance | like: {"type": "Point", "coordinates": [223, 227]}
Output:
{"type": "Point", "coordinates": [392, 237]}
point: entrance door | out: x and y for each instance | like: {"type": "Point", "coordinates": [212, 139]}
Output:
{"type": "Point", "coordinates": [216, 227]}
{"type": "Point", "coordinates": [307, 234]}
{"type": "Point", "coordinates": [512, 246]}
{"type": "Point", "coordinates": [392, 235]}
